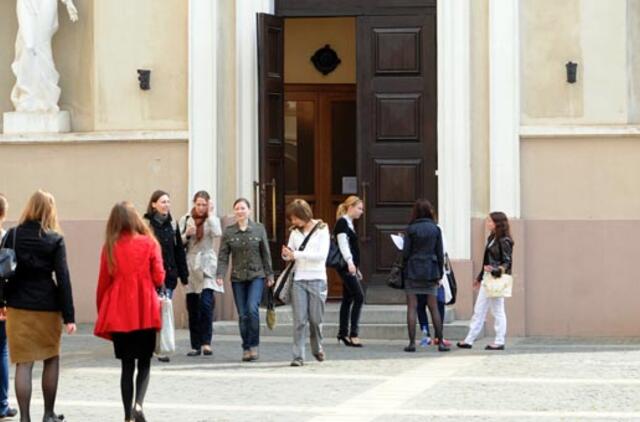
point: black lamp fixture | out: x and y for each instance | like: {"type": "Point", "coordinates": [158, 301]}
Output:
{"type": "Point", "coordinates": [572, 72]}
{"type": "Point", "coordinates": [144, 79]}
{"type": "Point", "coordinates": [325, 60]}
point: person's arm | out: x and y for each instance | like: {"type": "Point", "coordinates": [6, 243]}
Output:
{"type": "Point", "coordinates": [181, 258]}
{"type": "Point", "coordinates": [317, 249]}
{"type": "Point", "coordinates": [265, 254]}
{"type": "Point", "coordinates": [343, 240]}
{"type": "Point", "coordinates": [223, 257]}
{"type": "Point", "coordinates": [182, 228]}
{"type": "Point", "coordinates": [506, 253]}
{"type": "Point", "coordinates": [65, 295]}
{"type": "Point", "coordinates": [156, 265]}
{"type": "Point", "coordinates": [71, 10]}
{"type": "Point", "coordinates": [104, 278]}
{"type": "Point", "coordinates": [406, 250]}
{"type": "Point", "coordinates": [215, 223]}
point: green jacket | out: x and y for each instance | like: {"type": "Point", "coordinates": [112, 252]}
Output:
{"type": "Point", "coordinates": [249, 250]}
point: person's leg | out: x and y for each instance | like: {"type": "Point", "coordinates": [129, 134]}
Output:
{"type": "Point", "coordinates": [207, 303]}
{"type": "Point", "coordinates": [317, 297]}
{"type": "Point", "coordinates": [126, 386]}
{"type": "Point", "coordinates": [254, 297]}
{"type": "Point", "coordinates": [240, 293]}
{"type": "Point", "coordinates": [411, 321]}
{"type": "Point", "coordinates": [4, 370]}
{"type": "Point", "coordinates": [193, 309]}
{"type": "Point", "coordinates": [142, 381]}
{"type": "Point", "coordinates": [23, 389]}
{"type": "Point", "coordinates": [299, 307]}
{"type": "Point", "coordinates": [477, 320]}
{"type": "Point", "coordinates": [421, 309]}
{"type": "Point", "coordinates": [50, 375]}
{"type": "Point", "coordinates": [500, 319]}
{"type": "Point", "coordinates": [432, 303]}
{"type": "Point", "coordinates": [345, 306]}
{"type": "Point", "coordinates": [356, 310]}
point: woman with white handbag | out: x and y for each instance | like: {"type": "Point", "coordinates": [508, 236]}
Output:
{"type": "Point", "coordinates": [494, 282]}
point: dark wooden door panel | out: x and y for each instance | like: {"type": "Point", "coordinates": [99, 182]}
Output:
{"type": "Point", "coordinates": [271, 129]}
{"type": "Point", "coordinates": [397, 153]}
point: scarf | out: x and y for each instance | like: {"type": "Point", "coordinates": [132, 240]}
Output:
{"type": "Point", "coordinates": [199, 220]}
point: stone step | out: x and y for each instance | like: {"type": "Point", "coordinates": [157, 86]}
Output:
{"type": "Point", "coordinates": [456, 330]}
{"type": "Point", "coordinates": [371, 314]}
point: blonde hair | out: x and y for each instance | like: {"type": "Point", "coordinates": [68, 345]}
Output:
{"type": "Point", "coordinates": [301, 209]}
{"type": "Point", "coordinates": [42, 208]}
{"type": "Point", "coordinates": [124, 218]}
{"type": "Point", "coordinates": [348, 203]}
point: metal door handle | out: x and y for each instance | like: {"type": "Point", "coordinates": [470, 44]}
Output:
{"type": "Point", "coordinates": [274, 211]}
{"type": "Point", "coordinates": [256, 200]}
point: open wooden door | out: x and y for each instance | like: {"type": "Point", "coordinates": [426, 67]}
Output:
{"type": "Point", "coordinates": [270, 186]}
{"type": "Point", "coordinates": [397, 130]}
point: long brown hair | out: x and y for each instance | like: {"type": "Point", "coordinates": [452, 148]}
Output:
{"type": "Point", "coordinates": [348, 203]}
{"type": "Point", "coordinates": [301, 209]}
{"type": "Point", "coordinates": [3, 206]}
{"type": "Point", "coordinates": [502, 224]}
{"type": "Point", "coordinates": [154, 198]}
{"type": "Point", "coordinates": [42, 208]}
{"type": "Point", "coordinates": [124, 218]}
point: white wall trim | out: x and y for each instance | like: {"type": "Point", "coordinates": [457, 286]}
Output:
{"type": "Point", "coordinates": [203, 142]}
{"type": "Point", "coordinates": [454, 125]}
{"type": "Point", "coordinates": [247, 160]}
{"type": "Point", "coordinates": [504, 106]}
{"type": "Point", "coordinates": [106, 136]}
{"type": "Point", "coordinates": [581, 131]}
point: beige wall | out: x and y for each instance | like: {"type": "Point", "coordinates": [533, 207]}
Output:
{"type": "Point", "coordinates": [592, 33]}
{"type": "Point", "coordinates": [304, 36]}
{"type": "Point", "coordinates": [97, 58]}
{"type": "Point", "coordinates": [580, 179]}
{"type": "Point", "coordinates": [633, 53]}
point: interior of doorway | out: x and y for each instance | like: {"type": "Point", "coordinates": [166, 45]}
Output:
{"type": "Point", "coordinates": [320, 119]}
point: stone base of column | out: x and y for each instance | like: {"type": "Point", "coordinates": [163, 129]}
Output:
{"type": "Point", "coordinates": [34, 122]}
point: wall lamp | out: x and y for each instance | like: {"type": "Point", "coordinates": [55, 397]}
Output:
{"type": "Point", "coordinates": [144, 79]}
{"type": "Point", "coordinates": [572, 72]}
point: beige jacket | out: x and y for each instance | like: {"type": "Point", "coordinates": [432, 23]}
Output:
{"type": "Point", "coordinates": [202, 258]}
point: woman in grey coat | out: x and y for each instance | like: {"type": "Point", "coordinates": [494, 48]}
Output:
{"type": "Point", "coordinates": [199, 229]}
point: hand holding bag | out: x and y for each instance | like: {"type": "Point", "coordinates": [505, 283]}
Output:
{"type": "Point", "coordinates": [166, 338]}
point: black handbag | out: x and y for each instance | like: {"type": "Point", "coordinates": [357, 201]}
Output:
{"type": "Point", "coordinates": [334, 258]}
{"type": "Point", "coordinates": [395, 280]}
{"type": "Point", "coordinates": [451, 277]}
{"type": "Point", "coordinates": [8, 260]}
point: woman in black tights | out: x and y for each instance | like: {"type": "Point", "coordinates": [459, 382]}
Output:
{"type": "Point", "coordinates": [423, 264]}
{"type": "Point", "coordinates": [128, 307]}
{"type": "Point", "coordinates": [38, 306]}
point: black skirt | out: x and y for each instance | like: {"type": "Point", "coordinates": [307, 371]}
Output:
{"type": "Point", "coordinates": [135, 344]}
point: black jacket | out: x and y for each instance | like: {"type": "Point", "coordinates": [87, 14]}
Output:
{"type": "Point", "coordinates": [173, 253]}
{"type": "Point", "coordinates": [423, 252]}
{"type": "Point", "coordinates": [343, 227]}
{"type": "Point", "coordinates": [40, 254]}
{"type": "Point", "coordinates": [499, 255]}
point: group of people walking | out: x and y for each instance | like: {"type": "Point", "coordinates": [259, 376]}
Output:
{"type": "Point", "coordinates": [144, 256]}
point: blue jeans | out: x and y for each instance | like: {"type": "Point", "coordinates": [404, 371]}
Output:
{"type": "Point", "coordinates": [4, 370]}
{"type": "Point", "coordinates": [200, 307]}
{"type": "Point", "coordinates": [247, 295]}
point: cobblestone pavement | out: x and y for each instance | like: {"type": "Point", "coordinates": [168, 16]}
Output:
{"type": "Point", "coordinates": [533, 380]}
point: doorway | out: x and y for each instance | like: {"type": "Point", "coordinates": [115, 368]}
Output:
{"type": "Point", "coordinates": [320, 161]}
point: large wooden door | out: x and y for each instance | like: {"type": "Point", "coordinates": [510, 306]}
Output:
{"type": "Point", "coordinates": [397, 145]}
{"type": "Point", "coordinates": [270, 186]}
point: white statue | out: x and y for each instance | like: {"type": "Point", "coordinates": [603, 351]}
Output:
{"type": "Point", "coordinates": [36, 88]}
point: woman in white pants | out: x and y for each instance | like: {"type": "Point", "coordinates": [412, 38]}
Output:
{"type": "Point", "coordinates": [309, 289]}
{"type": "Point", "coordinates": [497, 261]}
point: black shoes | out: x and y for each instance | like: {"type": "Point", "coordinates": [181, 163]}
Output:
{"type": "Point", "coordinates": [164, 359]}
{"type": "Point", "coordinates": [194, 353]}
{"type": "Point", "coordinates": [297, 362]}
{"type": "Point", "coordinates": [320, 356]}
{"type": "Point", "coordinates": [443, 348]}
{"type": "Point", "coordinates": [207, 351]}
{"type": "Point", "coordinates": [410, 348]}
{"type": "Point", "coordinates": [496, 347]}
{"type": "Point", "coordinates": [464, 345]}
{"type": "Point", "coordinates": [345, 340]}
{"type": "Point", "coordinates": [138, 415]}
{"type": "Point", "coordinates": [55, 418]}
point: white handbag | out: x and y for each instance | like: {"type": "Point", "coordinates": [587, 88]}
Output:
{"type": "Point", "coordinates": [166, 338]}
{"type": "Point", "coordinates": [497, 286]}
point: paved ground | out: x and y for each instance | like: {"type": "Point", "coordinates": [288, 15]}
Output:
{"type": "Point", "coordinates": [534, 380]}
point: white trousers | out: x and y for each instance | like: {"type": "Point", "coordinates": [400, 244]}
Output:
{"type": "Point", "coordinates": [483, 304]}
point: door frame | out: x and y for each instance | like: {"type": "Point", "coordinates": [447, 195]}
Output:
{"type": "Point", "coordinates": [454, 99]}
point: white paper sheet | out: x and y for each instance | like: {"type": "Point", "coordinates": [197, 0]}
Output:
{"type": "Point", "coordinates": [398, 241]}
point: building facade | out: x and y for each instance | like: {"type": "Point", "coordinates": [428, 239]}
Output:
{"type": "Point", "coordinates": [466, 103]}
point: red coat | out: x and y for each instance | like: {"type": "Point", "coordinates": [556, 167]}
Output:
{"type": "Point", "coordinates": [127, 299]}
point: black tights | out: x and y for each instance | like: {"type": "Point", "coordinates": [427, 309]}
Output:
{"type": "Point", "coordinates": [432, 304]}
{"type": "Point", "coordinates": [50, 372]}
{"type": "Point", "coordinates": [126, 383]}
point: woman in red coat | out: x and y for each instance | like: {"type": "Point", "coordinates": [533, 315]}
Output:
{"type": "Point", "coordinates": [128, 306]}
